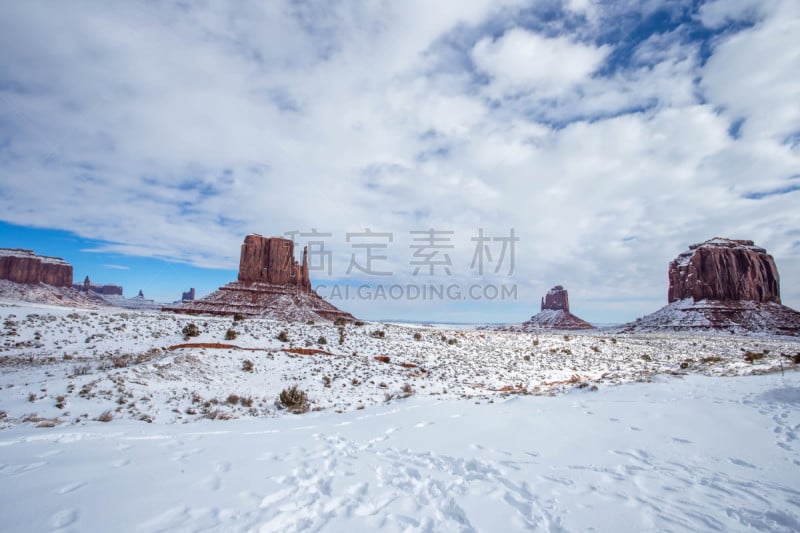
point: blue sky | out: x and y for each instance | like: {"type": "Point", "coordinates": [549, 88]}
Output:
{"type": "Point", "coordinates": [608, 135]}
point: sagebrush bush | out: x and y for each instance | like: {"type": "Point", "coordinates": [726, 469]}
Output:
{"type": "Point", "coordinates": [283, 336]}
{"type": "Point", "coordinates": [293, 399]}
{"type": "Point", "coordinates": [418, 336]}
{"type": "Point", "coordinates": [81, 370]}
{"type": "Point", "coordinates": [106, 416]}
{"type": "Point", "coordinates": [378, 334]}
{"type": "Point", "coordinates": [322, 340]}
{"type": "Point", "coordinates": [238, 317]}
{"type": "Point", "coordinates": [190, 330]}
{"type": "Point", "coordinates": [247, 365]}
{"type": "Point", "coordinates": [230, 335]}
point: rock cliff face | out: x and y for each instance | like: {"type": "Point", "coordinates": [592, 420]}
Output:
{"type": "Point", "coordinates": [723, 285]}
{"type": "Point", "coordinates": [556, 299]}
{"type": "Point", "coordinates": [271, 260]}
{"type": "Point", "coordinates": [271, 283]}
{"type": "Point", "coordinates": [554, 314]}
{"type": "Point", "coordinates": [726, 270]}
{"type": "Point", "coordinates": [24, 266]}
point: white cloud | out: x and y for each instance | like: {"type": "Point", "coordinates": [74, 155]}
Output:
{"type": "Point", "coordinates": [523, 61]}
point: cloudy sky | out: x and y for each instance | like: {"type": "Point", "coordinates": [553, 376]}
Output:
{"type": "Point", "coordinates": [608, 135]}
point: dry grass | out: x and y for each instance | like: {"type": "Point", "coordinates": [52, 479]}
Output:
{"type": "Point", "coordinates": [294, 400]}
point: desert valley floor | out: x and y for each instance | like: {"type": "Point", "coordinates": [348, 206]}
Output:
{"type": "Point", "coordinates": [115, 419]}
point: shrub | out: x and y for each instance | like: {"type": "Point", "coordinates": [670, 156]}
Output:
{"type": "Point", "coordinates": [233, 399]}
{"type": "Point", "coordinates": [417, 336]}
{"type": "Point", "coordinates": [283, 336]}
{"type": "Point", "coordinates": [294, 400]}
{"type": "Point", "coordinates": [81, 370]}
{"type": "Point", "coordinates": [751, 357]}
{"type": "Point", "coordinates": [106, 416]}
{"type": "Point", "coordinates": [322, 340]}
{"type": "Point", "coordinates": [230, 335]}
{"type": "Point", "coordinates": [238, 317]}
{"type": "Point", "coordinates": [359, 323]}
{"type": "Point", "coordinates": [121, 361]}
{"type": "Point", "coordinates": [646, 357]}
{"type": "Point", "coordinates": [378, 334]}
{"type": "Point", "coordinates": [452, 341]}
{"type": "Point", "coordinates": [190, 330]}
{"type": "Point", "coordinates": [341, 335]}
{"type": "Point", "coordinates": [246, 401]}
{"type": "Point", "coordinates": [339, 322]}
{"type": "Point", "coordinates": [247, 365]}
{"type": "Point", "coordinates": [406, 391]}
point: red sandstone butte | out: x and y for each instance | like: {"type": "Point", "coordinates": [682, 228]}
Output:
{"type": "Point", "coordinates": [554, 314]}
{"type": "Point", "coordinates": [723, 284]}
{"type": "Point", "coordinates": [24, 266]}
{"type": "Point", "coordinates": [271, 283]}
{"type": "Point", "coordinates": [726, 270]}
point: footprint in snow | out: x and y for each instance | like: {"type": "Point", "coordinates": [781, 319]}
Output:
{"type": "Point", "coordinates": [64, 518]}
{"type": "Point", "coordinates": [739, 462]}
{"type": "Point", "coordinates": [72, 487]}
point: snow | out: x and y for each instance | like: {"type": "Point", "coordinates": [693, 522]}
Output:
{"type": "Point", "coordinates": [692, 454]}
{"type": "Point", "coordinates": [495, 431]}
{"type": "Point", "coordinates": [29, 254]}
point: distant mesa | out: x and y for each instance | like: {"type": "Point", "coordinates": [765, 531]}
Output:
{"type": "Point", "coordinates": [554, 314]}
{"type": "Point", "coordinates": [271, 283]}
{"type": "Point", "coordinates": [24, 266]}
{"type": "Point", "coordinates": [105, 290]}
{"type": "Point", "coordinates": [723, 284]}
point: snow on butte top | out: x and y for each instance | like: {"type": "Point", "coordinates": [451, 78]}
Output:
{"type": "Point", "coordinates": [723, 242]}
{"type": "Point", "coordinates": [30, 254]}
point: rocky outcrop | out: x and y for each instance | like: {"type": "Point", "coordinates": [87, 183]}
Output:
{"type": "Point", "coordinates": [271, 260]}
{"type": "Point", "coordinates": [556, 299]}
{"type": "Point", "coordinates": [24, 266]}
{"type": "Point", "coordinates": [271, 283]}
{"type": "Point", "coordinates": [723, 285]}
{"type": "Point", "coordinates": [726, 270]}
{"type": "Point", "coordinates": [188, 296]}
{"type": "Point", "coordinates": [105, 290]}
{"type": "Point", "coordinates": [554, 314]}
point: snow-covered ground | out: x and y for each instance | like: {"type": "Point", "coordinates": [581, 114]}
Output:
{"type": "Point", "coordinates": [691, 453]}
{"type": "Point", "coordinates": [410, 427]}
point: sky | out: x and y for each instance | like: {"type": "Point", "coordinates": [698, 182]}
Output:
{"type": "Point", "coordinates": [141, 141]}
